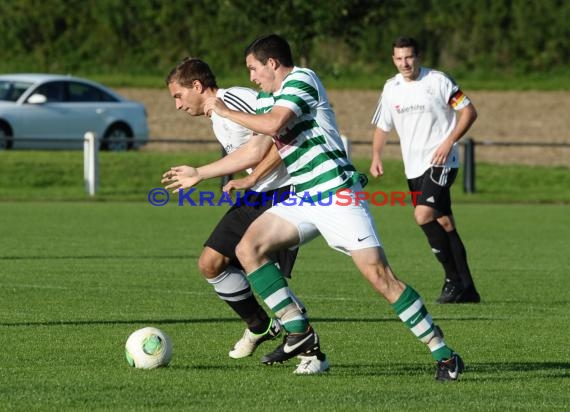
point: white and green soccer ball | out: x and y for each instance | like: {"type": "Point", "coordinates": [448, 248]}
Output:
{"type": "Point", "coordinates": [148, 348]}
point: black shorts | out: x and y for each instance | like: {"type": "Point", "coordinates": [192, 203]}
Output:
{"type": "Point", "coordinates": [231, 228]}
{"type": "Point", "coordinates": [435, 185]}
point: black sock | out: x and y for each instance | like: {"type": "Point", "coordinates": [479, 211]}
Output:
{"type": "Point", "coordinates": [252, 313]}
{"type": "Point", "coordinates": [233, 288]}
{"type": "Point", "coordinates": [460, 258]}
{"type": "Point", "coordinates": [438, 239]}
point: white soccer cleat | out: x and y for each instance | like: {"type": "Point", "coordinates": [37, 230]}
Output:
{"type": "Point", "coordinates": [312, 365]}
{"type": "Point", "coordinates": [250, 341]}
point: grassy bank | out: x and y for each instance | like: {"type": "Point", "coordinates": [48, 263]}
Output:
{"type": "Point", "coordinates": [472, 80]}
{"type": "Point", "coordinates": [58, 175]}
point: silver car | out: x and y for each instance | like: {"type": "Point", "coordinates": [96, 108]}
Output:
{"type": "Point", "coordinates": [45, 111]}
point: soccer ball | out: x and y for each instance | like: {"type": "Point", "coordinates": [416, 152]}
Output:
{"type": "Point", "coordinates": [148, 348]}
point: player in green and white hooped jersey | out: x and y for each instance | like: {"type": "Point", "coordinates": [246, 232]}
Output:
{"type": "Point", "coordinates": [294, 109]}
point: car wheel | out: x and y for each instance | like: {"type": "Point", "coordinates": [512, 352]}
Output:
{"type": "Point", "coordinates": [118, 138]}
{"type": "Point", "coordinates": [5, 133]}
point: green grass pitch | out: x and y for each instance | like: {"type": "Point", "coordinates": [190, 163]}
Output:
{"type": "Point", "coordinates": [76, 278]}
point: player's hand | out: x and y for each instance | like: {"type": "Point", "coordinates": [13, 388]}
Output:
{"type": "Point", "coordinates": [442, 152]}
{"type": "Point", "coordinates": [215, 104]}
{"type": "Point", "coordinates": [239, 184]}
{"type": "Point", "coordinates": [180, 177]}
{"type": "Point", "coordinates": [376, 168]}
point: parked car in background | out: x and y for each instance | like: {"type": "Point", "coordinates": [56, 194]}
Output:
{"type": "Point", "coordinates": [46, 111]}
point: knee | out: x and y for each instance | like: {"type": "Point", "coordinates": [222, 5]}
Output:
{"type": "Point", "coordinates": [211, 266]}
{"type": "Point", "coordinates": [423, 216]}
{"type": "Point", "coordinates": [446, 222]}
{"type": "Point", "coordinates": [421, 222]}
{"type": "Point", "coordinates": [247, 251]}
{"type": "Point", "coordinates": [243, 250]}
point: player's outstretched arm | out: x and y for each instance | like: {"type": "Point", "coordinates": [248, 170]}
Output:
{"type": "Point", "coordinates": [180, 177]}
{"type": "Point", "coordinates": [246, 156]}
{"type": "Point", "coordinates": [266, 166]}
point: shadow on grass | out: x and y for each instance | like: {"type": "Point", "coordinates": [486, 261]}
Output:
{"type": "Point", "coordinates": [476, 372]}
{"type": "Point", "coordinates": [553, 369]}
{"type": "Point", "coordinates": [500, 371]}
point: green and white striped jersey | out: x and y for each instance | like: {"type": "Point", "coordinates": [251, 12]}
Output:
{"type": "Point", "coordinates": [310, 145]}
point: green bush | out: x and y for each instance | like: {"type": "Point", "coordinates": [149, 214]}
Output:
{"type": "Point", "coordinates": [347, 41]}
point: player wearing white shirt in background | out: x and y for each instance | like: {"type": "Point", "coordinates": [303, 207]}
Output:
{"type": "Point", "coordinates": [421, 104]}
{"type": "Point", "coordinates": [190, 84]}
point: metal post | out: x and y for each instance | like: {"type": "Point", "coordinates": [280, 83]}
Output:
{"type": "Point", "coordinates": [469, 165]}
{"type": "Point", "coordinates": [91, 163]}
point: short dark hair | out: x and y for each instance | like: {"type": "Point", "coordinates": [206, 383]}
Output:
{"type": "Point", "coordinates": [190, 69]}
{"type": "Point", "coordinates": [271, 46]}
{"type": "Point", "coordinates": [403, 41]}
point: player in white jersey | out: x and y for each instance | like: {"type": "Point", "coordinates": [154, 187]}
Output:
{"type": "Point", "coordinates": [190, 83]}
{"type": "Point", "coordinates": [421, 104]}
{"type": "Point", "coordinates": [294, 109]}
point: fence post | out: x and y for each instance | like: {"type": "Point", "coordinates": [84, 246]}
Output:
{"type": "Point", "coordinates": [469, 165]}
{"type": "Point", "coordinates": [90, 163]}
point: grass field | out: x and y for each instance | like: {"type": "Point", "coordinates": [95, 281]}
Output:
{"type": "Point", "coordinates": [76, 278]}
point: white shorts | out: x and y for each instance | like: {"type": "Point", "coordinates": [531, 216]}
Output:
{"type": "Point", "coordinates": [344, 226]}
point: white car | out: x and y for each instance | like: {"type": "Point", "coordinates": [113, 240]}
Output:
{"type": "Point", "coordinates": [46, 111]}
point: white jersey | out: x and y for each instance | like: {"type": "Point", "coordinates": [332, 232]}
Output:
{"type": "Point", "coordinates": [232, 135]}
{"type": "Point", "coordinates": [423, 113]}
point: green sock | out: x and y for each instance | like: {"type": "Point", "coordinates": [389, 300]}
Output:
{"type": "Point", "coordinates": [270, 284]}
{"type": "Point", "coordinates": [412, 311]}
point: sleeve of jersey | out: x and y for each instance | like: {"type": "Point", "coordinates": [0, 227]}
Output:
{"type": "Point", "coordinates": [455, 96]}
{"type": "Point", "coordinates": [299, 94]}
{"type": "Point", "coordinates": [243, 100]}
{"type": "Point", "coordinates": [382, 118]}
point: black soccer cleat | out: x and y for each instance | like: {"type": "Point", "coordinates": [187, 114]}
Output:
{"type": "Point", "coordinates": [469, 295]}
{"type": "Point", "coordinates": [295, 344]}
{"type": "Point", "coordinates": [454, 293]}
{"type": "Point", "coordinates": [449, 369]}
{"type": "Point", "coordinates": [449, 293]}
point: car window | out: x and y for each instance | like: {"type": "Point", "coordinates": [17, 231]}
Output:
{"type": "Point", "coordinates": [80, 92]}
{"type": "Point", "coordinates": [12, 90]}
{"type": "Point", "coordinates": [53, 91]}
